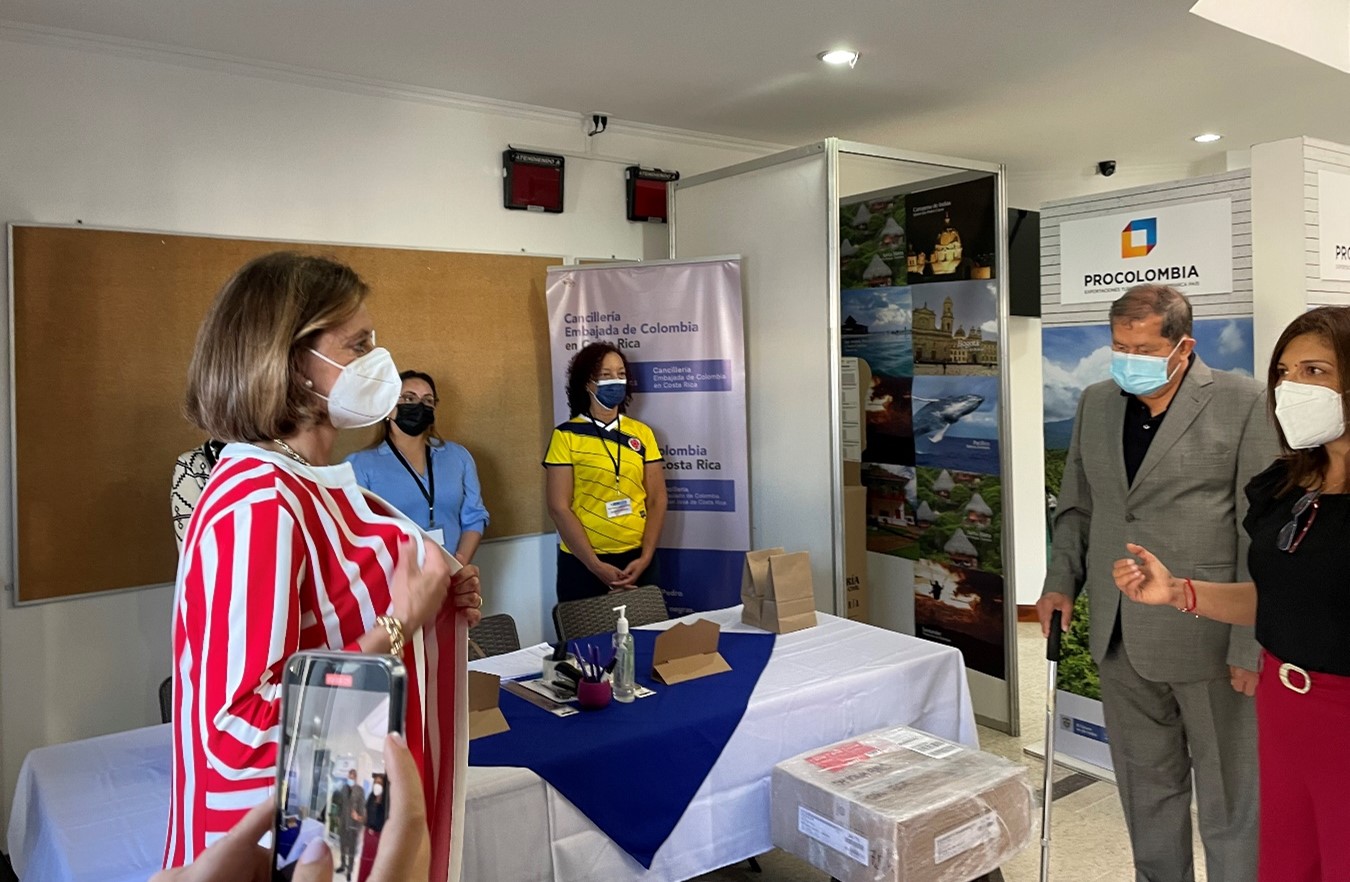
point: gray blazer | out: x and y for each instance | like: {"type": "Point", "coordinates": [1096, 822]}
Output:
{"type": "Point", "coordinates": [1186, 506]}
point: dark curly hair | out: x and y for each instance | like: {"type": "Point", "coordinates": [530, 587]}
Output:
{"type": "Point", "coordinates": [584, 367]}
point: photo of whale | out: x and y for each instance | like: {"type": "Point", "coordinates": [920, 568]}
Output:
{"type": "Point", "coordinates": [933, 419]}
{"type": "Point", "coordinates": [955, 423]}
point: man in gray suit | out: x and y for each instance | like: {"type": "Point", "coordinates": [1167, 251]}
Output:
{"type": "Point", "coordinates": [1160, 456]}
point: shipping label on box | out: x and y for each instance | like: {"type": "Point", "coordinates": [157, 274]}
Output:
{"type": "Point", "coordinates": [972, 834]}
{"type": "Point", "coordinates": [844, 841]}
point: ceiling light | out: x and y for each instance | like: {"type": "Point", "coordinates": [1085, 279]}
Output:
{"type": "Point", "coordinates": [839, 57]}
{"type": "Point", "coordinates": [1207, 138]}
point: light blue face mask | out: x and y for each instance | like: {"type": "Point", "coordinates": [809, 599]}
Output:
{"type": "Point", "coordinates": [1142, 374]}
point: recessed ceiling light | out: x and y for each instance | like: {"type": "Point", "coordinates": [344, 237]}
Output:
{"type": "Point", "coordinates": [839, 57]}
{"type": "Point", "coordinates": [1207, 138]}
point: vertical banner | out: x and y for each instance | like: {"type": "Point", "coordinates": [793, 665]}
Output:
{"type": "Point", "coordinates": [679, 326]}
{"type": "Point", "coordinates": [1075, 357]}
{"type": "Point", "coordinates": [920, 309]}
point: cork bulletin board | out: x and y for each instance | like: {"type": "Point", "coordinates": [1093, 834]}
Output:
{"type": "Point", "coordinates": [102, 328]}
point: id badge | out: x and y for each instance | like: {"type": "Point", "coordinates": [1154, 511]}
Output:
{"type": "Point", "coordinates": [618, 508]}
{"type": "Point", "coordinates": [438, 536]}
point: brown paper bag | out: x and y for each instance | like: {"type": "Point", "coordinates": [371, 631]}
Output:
{"type": "Point", "coordinates": [755, 587]}
{"type": "Point", "coordinates": [792, 605]}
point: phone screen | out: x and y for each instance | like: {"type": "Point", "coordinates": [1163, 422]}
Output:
{"type": "Point", "coordinates": [337, 709]}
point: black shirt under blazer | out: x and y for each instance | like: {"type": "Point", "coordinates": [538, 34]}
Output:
{"type": "Point", "coordinates": [1186, 505]}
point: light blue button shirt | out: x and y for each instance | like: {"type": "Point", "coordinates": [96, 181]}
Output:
{"type": "Point", "coordinates": [459, 499]}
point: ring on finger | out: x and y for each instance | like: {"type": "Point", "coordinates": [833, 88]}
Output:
{"type": "Point", "coordinates": [479, 604]}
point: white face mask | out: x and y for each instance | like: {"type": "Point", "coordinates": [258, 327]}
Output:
{"type": "Point", "coordinates": [365, 392]}
{"type": "Point", "coordinates": [377, 789]}
{"type": "Point", "coordinates": [1309, 415]}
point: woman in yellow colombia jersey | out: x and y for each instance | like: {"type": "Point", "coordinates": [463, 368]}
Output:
{"type": "Point", "coordinates": [606, 482]}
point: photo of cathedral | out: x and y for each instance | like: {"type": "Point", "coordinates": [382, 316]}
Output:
{"type": "Point", "coordinates": [959, 336]}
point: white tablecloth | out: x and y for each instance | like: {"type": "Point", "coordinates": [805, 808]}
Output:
{"type": "Point", "coordinates": [95, 810]}
{"type": "Point", "coordinates": [821, 685]}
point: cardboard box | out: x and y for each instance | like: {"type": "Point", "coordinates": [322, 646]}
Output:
{"type": "Point", "coordinates": [485, 717]}
{"type": "Point", "coordinates": [857, 602]}
{"type": "Point", "coordinates": [687, 652]}
{"type": "Point", "coordinates": [899, 805]}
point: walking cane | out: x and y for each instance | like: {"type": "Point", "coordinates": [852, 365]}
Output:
{"type": "Point", "coordinates": [1051, 677]}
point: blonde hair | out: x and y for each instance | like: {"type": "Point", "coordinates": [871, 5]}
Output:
{"type": "Point", "coordinates": [245, 381]}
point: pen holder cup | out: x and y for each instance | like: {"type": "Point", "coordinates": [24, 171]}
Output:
{"type": "Point", "coordinates": [594, 696]}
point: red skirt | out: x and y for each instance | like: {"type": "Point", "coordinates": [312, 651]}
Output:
{"type": "Point", "coordinates": [1302, 720]}
{"type": "Point", "coordinates": [369, 845]}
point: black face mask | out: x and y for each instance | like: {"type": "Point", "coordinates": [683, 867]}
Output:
{"type": "Point", "coordinates": [414, 419]}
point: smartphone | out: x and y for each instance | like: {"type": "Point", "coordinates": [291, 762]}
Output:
{"type": "Point", "coordinates": [336, 708]}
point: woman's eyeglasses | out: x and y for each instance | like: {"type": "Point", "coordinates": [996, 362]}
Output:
{"type": "Point", "coordinates": [409, 398]}
{"type": "Point", "coordinates": [1290, 535]}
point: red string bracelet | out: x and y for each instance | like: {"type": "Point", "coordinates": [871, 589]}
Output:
{"type": "Point", "coordinates": [1191, 602]}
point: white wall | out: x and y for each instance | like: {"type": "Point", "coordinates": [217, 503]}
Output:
{"type": "Point", "coordinates": [1279, 249]}
{"type": "Point", "coordinates": [1034, 189]}
{"type": "Point", "coordinates": [124, 139]}
{"type": "Point", "coordinates": [1024, 513]}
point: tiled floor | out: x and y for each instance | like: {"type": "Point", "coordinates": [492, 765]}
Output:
{"type": "Point", "coordinates": [1088, 840]}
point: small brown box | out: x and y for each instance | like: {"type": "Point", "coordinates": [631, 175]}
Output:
{"type": "Point", "coordinates": [485, 716]}
{"type": "Point", "coordinates": [687, 652]}
{"type": "Point", "coordinates": [899, 805]}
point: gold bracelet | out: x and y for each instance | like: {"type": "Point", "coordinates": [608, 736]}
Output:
{"type": "Point", "coordinates": [394, 628]}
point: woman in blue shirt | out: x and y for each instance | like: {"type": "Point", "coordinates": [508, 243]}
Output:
{"type": "Point", "coordinates": [432, 481]}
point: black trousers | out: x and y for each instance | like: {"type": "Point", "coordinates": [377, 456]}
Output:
{"type": "Point", "coordinates": [575, 582]}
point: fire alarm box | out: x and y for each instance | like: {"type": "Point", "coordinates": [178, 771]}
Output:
{"type": "Point", "coordinates": [532, 181]}
{"type": "Point", "coordinates": [647, 193]}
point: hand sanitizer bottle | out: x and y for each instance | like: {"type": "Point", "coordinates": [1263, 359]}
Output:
{"type": "Point", "coordinates": [623, 658]}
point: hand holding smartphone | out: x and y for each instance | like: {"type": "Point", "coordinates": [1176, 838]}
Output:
{"type": "Point", "coordinates": [337, 708]}
{"type": "Point", "coordinates": [404, 850]}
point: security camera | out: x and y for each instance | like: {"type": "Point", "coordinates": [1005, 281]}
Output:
{"type": "Point", "coordinates": [1107, 167]}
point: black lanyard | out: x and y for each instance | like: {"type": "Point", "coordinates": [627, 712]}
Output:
{"type": "Point", "coordinates": [616, 457]}
{"type": "Point", "coordinates": [428, 492]}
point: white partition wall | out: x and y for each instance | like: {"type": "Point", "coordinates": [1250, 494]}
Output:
{"type": "Point", "coordinates": [1290, 218]}
{"type": "Point", "coordinates": [781, 215]}
{"type": "Point", "coordinates": [775, 214]}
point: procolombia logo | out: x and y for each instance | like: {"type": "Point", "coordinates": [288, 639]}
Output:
{"type": "Point", "coordinates": [1135, 277]}
{"type": "Point", "coordinates": [1138, 239]}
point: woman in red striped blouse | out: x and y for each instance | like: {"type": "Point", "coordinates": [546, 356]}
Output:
{"type": "Point", "coordinates": [285, 552]}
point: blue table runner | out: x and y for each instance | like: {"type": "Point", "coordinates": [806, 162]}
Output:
{"type": "Point", "coordinates": [634, 768]}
